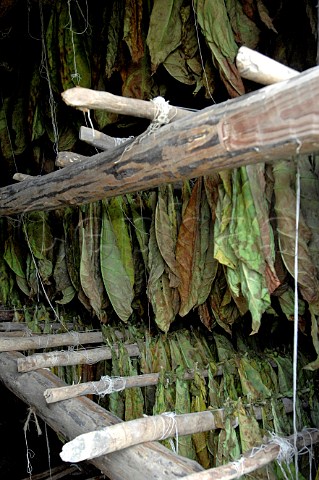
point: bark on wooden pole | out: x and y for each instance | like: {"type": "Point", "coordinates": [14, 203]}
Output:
{"type": "Point", "coordinates": [76, 416]}
{"type": "Point", "coordinates": [274, 122]}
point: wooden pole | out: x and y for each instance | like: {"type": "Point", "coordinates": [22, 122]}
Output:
{"type": "Point", "coordinates": [86, 99]}
{"type": "Point", "coordinates": [35, 342]}
{"type": "Point", "coordinates": [272, 123]}
{"type": "Point", "coordinates": [79, 357]}
{"type": "Point", "coordinates": [255, 458]}
{"type": "Point", "coordinates": [74, 417]}
{"type": "Point", "coordinates": [259, 68]}
{"type": "Point", "coordinates": [123, 435]}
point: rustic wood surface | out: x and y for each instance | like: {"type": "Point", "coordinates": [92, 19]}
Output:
{"type": "Point", "coordinates": [87, 356]}
{"type": "Point", "coordinates": [259, 68]}
{"type": "Point", "coordinates": [277, 121]}
{"type": "Point", "coordinates": [76, 416]}
{"type": "Point", "coordinates": [67, 158]}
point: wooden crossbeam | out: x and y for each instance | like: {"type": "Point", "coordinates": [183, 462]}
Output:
{"type": "Point", "coordinates": [275, 122]}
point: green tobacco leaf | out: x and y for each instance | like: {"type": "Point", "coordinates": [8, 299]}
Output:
{"type": "Point", "coordinates": [246, 31]}
{"type": "Point", "coordinates": [252, 385]}
{"type": "Point", "coordinates": [214, 22]}
{"type": "Point", "coordinates": [40, 241]}
{"type": "Point", "coordinates": [165, 30]}
{"type": "Point", "coordinates": [61, 277]}
{"type": "Point", "coordinates": [118, 214]}
{"type": "Point", "coordinates": [19, 126]}
{"type": "Point", "coordinates": [115, 278]}
{"type": "Point", "coordinates": [138, 210]}
{"type": "Point", "coordinates": [183, 405]}
{"type": "Point", "coordinates": [198, 404]}
{"type": "Point", "coordinates": [250, 435]}
{"type": "Point", "coordinates": [245, 242]}
{"type": "Point", "coordinates": [309, 201]}
{"type": "Point", "coordinates": [257, 183]}
{"type": "Point", "coordinates": [114, 36]}
{"type": "Point", "coordinates": [90, 272]}
{"type": "Point", "coordinates": [285, 207]}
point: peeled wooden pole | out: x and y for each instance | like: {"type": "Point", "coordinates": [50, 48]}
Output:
{"type": "Point", "coordinates": [259, 68]}
{"type": "Point", "coordinates": [76, 416]}
{"type": "Point", "coordinates": [272, 123]}
{"type": "Point", "coordinates": [255, 458]}
{"type": "Point", "coordinates": [87, 356]}
{"type": "Point", "coordinates": [142, 430]}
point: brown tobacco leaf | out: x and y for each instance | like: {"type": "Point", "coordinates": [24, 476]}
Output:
{"type": "Point", "coordinates": [285, 207]}
{"type": "Point", "coordinates": [133, 31]}
{"type": "Point", "coordinates": [187, 251]}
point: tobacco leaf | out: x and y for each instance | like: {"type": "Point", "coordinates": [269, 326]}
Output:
{"type": "Point", "coordinates": [214, 22]}
{"type": "Point", "coordinates": [251, 383]}
{"type": "Point", "coordinates": [228, 448]}
{"type": "Point", "coordinates": [116, 281]}
{"type": "Point", "coordinates": [117, 212]}
{"type": "Point", "coordinates": [257, 183]}
{"type": "Point", "coordinates": [114, 36]}
{"type": "Point", "coordinates": [198, 404]}
{"type": "Point", "coordinates": [40, 241]}
{"type": "Point", "coordinates": [137, 207]}
{"type": "Point", "coordinates": [245, 241]}
{"type": "Point", "coordinates": [246, 31]}
{"type": "Point", "coordinates": [166, 235]}
{"type": "Point", "coordinates": [165, 30]}
{"type": "Point", "coordinates": [309, 202]}
{"type": "Point", "coordinates": [183, 405]}
{"type": "Point", "coordinates": [63, 284]}
{"type": "Point", "coordinates": [285, 207]}
{"type": "Point", "coordinates": [159, 292]}
{"type": "Point", "coordinates": [133, 28]}
{"type": "Point", "coordinates": [264, 15]}
{"type": "Point", "coordinates": [90, 272]}
{"type": "Point", "coordinates": [188, 251]}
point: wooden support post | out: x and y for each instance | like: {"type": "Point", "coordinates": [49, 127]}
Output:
{"type": "Point", "coordinates": [272, 123]}
{"type": "Point", "coordinates": [77, 416]}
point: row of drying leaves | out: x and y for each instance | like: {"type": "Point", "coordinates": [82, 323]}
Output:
{"type": "Point", "coordinates": [222, 245]}
{"type": "Point", "coordinates": [247, 381]}
{"type": "Point", "coordinates": [196, 42]}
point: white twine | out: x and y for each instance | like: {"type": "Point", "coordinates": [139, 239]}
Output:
{"type": "Point", "coordinates": [108, 385]}
{"type": "Point", "coordinates": [169, 428]}
{"type": "Point", "coordinates": [30, 453]}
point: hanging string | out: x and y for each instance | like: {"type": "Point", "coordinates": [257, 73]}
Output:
{"type": "Point", "coordinates": [296, 314]}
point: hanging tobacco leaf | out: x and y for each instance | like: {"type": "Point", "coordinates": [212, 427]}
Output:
{"type": "Point", "coordinates": [117, 212]}
{"type": "Point", "coordinates": [133, 28]}
{"type": "Point", "coordinates": [61, 277]}
{"type": "Point", "coordinates": [257, 183]}
{"type": "Point", "coordinates": [264, 15]}
{"type": "Point", "coordinates": [137, 208]}
{"type": "Point", "coordinates": [165, 30]}
{"type": "Point", "coordinates": [159, 292]}
{"type": "Point", "coordinates": [116, 281]}
{"type": "Point", "coordinates": [198, 404]}
{"type": "Point", "coordinates": [90, 272]}
{"type": "Point", "coordinates": [114, 36]}
{"type": "Point", "coordinates": [245, 30]}
{"type": "Point", "coordinates": [214, 22]}
{"type": "Point", "coordinates": [166, 234]}
{"type": "Point", "coordinates": [40, 241]}
{"type": "Point", "coordinates": [285, 207]}
{"type": "Point", "coordinates": [252, 385]}
{"type": "Point", "coordinates": [183, 405]}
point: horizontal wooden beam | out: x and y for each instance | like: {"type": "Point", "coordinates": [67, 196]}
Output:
{"type": "Point", "coordinates": [74, 417]}
{"type": "Point", "coordinates": [277, 121]}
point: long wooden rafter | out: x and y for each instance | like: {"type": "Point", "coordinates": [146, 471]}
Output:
{"type": "Point", "coordinates": [277, 121]}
